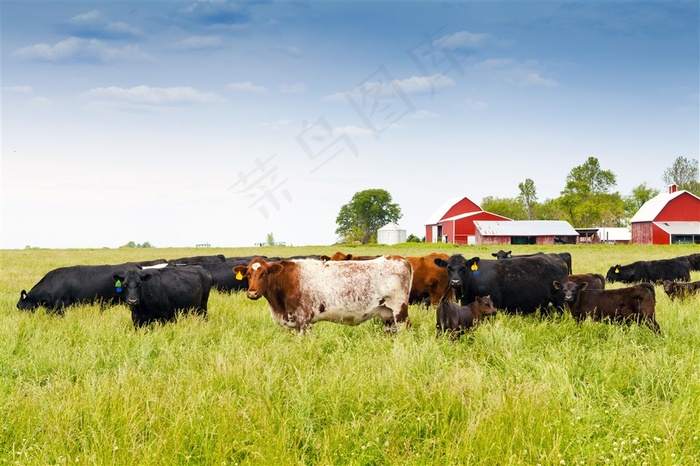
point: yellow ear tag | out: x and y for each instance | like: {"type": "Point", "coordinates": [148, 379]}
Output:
{"type": "Point", "coordinates": [617, 270]}
{"type": "Point", "coordinates": [475, 267]}
{"type": "Point", "coordinates": [239, 276]}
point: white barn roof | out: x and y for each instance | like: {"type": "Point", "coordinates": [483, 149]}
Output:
{"type": "Point", "coordinates": [442, 210]}
{"type": "Point", "coordinates": [680, 228]}
{"type": "Point", "coordinates": [653, 207]}
{"type": "Point", "coordinates": [525, 228]}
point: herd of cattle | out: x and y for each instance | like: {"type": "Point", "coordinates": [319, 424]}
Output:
{"type": "Point", "coordinates": [303, 290]}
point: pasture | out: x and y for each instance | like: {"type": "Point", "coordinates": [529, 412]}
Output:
{"type": "Point", "coordinates": [86, 388]}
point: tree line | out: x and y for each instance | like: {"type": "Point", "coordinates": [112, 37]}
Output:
{"type": "Point", "coordinates": [587, 199]}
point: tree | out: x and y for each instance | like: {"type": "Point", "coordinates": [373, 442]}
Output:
{"type": "Point", "coordinates": [528, 196]}
{"type": "Point", "coordinates": [512, 208]}
{"type": "Point", "coordinates": [684, 173]}
{"type": "Point", "coordinates": [270, 239]}
{"type": "Point", "coordinates": [640, 194]}
{"type": "Point", "coordinates": [586, 200]}
{"type": "Point", "coordinates": [367, 212]}
{"type": "Point", "coordinates": [414, 239]}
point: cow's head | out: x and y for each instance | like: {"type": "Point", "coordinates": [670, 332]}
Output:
{"type": "Point", "coordinates": [483, 306]}
{"type": "Point", "coordinates": [669, 286]}
{"type": "Point", "coordinates": [570, 289]}
{"type": "Point", "coordinates": [501, 254]}
{"type": "Point", "coordinates": [257, 272]}
{"type": "Point", "coordinates": [25, 304]}
{"type": "Point", "coordinates": [459, 271]}
{"type": "Point", "coordinates": [131, 283]}
{"type": "Point", "coordinates": [621, 273]}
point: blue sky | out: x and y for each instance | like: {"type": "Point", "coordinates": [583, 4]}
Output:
{"type": "Point", "coordinates": [181, 123]}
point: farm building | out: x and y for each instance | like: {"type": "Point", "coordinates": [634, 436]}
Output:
{"type": "Point", "coordinates": [607, 235]}
{"type": "Point", "coordinates": [525, 232]}
{"type": "Point", "coordinates": [391, 233]}
{"type": "Point", "coordinates": [453, 222]}
{"type": "Point", "coordinates": [669, 218]}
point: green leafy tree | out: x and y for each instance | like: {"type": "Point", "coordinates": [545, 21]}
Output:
{"type": "Point", "coordinates": [640, 194]}
{"type": "Point", "coordinates": [528, 196]}
{"type": "Point", "coordinates": [270, 239]}
{"type": "Point", "coordinates": [684, 173]}
{"type": "Point", "coordinates": [513, 208]}
{"type": "Point", "coordinates": [413, 239]}
{"type": "Point", "coordinates": [586, 200]}
{"type": "Point", "coordinates": [367, 212]}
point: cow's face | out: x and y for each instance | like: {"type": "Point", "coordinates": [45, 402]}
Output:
{"type": "Point", "coordinates": [485, 305]}
{"type": "Point", "coordinates": [131, 284]}
{"type": "Point", "coordinates": [25, 304]}
{"type": "Point", "coordinates": [458, 269]}
{"type": "Point", "coordinates": [668, 285]}
{"type": "Point", "coordinates": [502, 254]}
{"type": "Point", "coordinates": [570, 289]}
{"type": "Point", "coordinates": [258, 273]}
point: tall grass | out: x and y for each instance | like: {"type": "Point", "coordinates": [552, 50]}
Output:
{"type": "Point", "coordinates": [86, 388]}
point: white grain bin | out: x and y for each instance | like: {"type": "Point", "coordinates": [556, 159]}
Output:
{"type": "Point", "coordinates": [391, 233]}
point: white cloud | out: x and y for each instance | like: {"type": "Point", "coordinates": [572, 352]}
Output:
{"type": "Point", "coordinates": [18, 89]}
{"type": "Point", "coordinates": [462, 39]}
{"type": "Point", "coordinates": [247, 87]}
{"type": "Point", "coordinates": [424, 115]}
{"type": "Point", "coordinates": [75, 48]}
{"type": "Point", "coordinates": [298, 88]}
{"type": "Point", "coordinates": [199, 43]}
{"type": "Point", "coordinates": [410, 85]}
{"type": "Point", "coordinates": [422, 84]}
{"type": "Point", "coordinates": [527, 73]}
{"type": "Point", "coordinates": [40, 102]}
{"type": "Point", "coordinates": [476, 104]}
{"type": "Point", "coordinates": [148, 97]}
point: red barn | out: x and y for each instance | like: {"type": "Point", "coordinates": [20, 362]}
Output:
{"type": "Point", "coordinates": [668, 218]}
{"type": "Point", "coordinates": [453, 222]}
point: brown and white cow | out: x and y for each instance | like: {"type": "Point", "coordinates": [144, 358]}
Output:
{"type": "Point", "coordinates": [302, 292]}
{"type": "Point", "coordinates": [429, 280]}
{"type": "Point", "coordinates": [679, 290]}
{"type": "Point", "coordinates": [634, 303]}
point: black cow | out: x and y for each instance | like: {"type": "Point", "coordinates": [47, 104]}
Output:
{"type": "Point", "coordinates": [198, 260]}
{"type": "Point", "coordinates": [157, 295]}
{"type": "Point", "coordinates": [522, 284]}
{"type": "Point", "coordinates": [77, 284]}
{"type": "Point", "coordinates": [635, 303]}
{"type": "Point", "coordinates": [694, 260]}
{"type": "Point", "coordinates": [650, 271]}
{"type": "Point", "coordinates": [565, 256]}
{"type": "Point", "coordinates": [455, 319]}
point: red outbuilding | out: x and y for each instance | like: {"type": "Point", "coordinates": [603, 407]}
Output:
{"type": "Point", "coordinates": [453, 222]}
{"type": "Point", "coordinates": [668, 218]}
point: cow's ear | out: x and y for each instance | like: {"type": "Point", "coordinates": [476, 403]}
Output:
{"type": "Point", "coordinates": [240, 271]}
{"type": "Point", "coordinates": [348, 257]}
{"type": "Point", "coordinates": [509, 253]}
{"type": "Point", "coordinates": [324, 258]}
{"type": "Point", "coordinates": [118, 277]}
{"type": "Point", "coordinates": [275, 268]}
{"type": "Point", "coordinates": [478, 299]}
{"type": "Point", "coordinates": [440, 262]}
{"type": "Point", "coordinates": [556, 285]}
{"type": "Point", "coordinates": [473, 260]}
{"type": "Point", "coordinates": [583, 286]}
{"type": "Point", "coordinates": [494, 254]}
{"type": "Point", "coordinates": [23, 294]}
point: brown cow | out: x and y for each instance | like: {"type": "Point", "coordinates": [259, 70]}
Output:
{"type": "Point", "coordinates": [679, 290]}
{"type": "Point", "coordinates": [456, 319]}
{"type": "Point", "coordinates": [429, 280]}
{"type": "Point", "coordinates": [595, 280]}
{"type": "Point", "coordinates": [302, 292]}
{"type": "Point", "coordinates": [634, 303]}
{"type": "Point", "coordinates": [340, 256]}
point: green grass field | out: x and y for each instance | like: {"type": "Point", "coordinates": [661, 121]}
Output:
{"type": "Point", "coordinates": [86, 388]}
